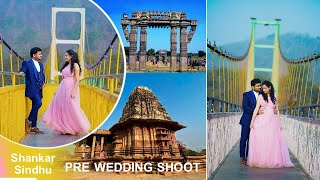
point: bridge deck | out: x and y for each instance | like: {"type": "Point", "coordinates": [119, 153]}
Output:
{"type": "Point", "coordinates": [232, 169]}
{"type": "Point", "coordinates": [50, 138]}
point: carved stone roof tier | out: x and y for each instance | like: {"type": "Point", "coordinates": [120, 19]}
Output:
{"type": "Point", "coordinates": [147, 17]}
{"type": "Point", "coordinates": [158, 19]}
{"type": "Point", "coordinates": [102, 132]}
{"type": "Point", "coordinates": [144, 107]}
{"type": "Point", "coordinates": [143, 104]}
{"type": "Point", "coordinates": [171, 125]}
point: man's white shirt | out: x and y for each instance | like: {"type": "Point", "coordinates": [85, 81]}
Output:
{"type": "Point", "coordinates": [256, 94]}
{"type": "Point", "coordinates": [37, 65]}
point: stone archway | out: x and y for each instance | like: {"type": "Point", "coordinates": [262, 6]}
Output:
{"type": "Point", "coordinates": [158, 19]}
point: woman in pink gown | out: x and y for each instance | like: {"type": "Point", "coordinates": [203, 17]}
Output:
{"type": "Point", "coordinates": [267, 146]}
{"type": "Point", "coordinates": [64, 113]}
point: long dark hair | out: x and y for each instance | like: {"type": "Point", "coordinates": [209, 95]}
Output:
{"type": "Point", "coordinates": [74, 59]}
{"type": "Point", "coordinates": [265, 96]}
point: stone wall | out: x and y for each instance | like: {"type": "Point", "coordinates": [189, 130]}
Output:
{"type": "Point", "coordinates": [223, 131]}
{"type": "Point", "coordinates": [303, 139]}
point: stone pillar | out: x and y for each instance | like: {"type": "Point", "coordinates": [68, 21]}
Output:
{"type": "Point", "coordinates": [102, 143]}
{"type": "Point", "coordinates": [173, 48]}
{"type": "Point", "coordinates": [133, 47]}
{"type": "Point", "coordinates": [134, 136]}
{"type": "Point", "coordinates": [128, 142]}
{"type": "Point", "coordinates": [151, 141]}
{"type": "Point", "coordinates": [183, 48]}
{"type": "Point", "coordinates": [125, 139]}
{"type": "Point", "coordinates": [139, 137]}
{"type": "Point", "coordinates": [143, 48]}
{"type": "Point", "coordinates": [93, 147]}
{"type": "Point", "coordinates": [142, 141]}
{"type": "Point", "coordinates": [134, 140]}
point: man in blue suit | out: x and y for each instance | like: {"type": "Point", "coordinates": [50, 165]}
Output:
{"type": "Point", "coordinates": [35, 81]}
{"type": "Point", "coordinates": [249, 102]}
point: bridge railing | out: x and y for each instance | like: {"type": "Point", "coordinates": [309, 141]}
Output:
{"type": "Point", "coordinates": [8, 69]}
{"type": "Point", "coordinates": [109, 82]}
{"type": "Point", "coordinates": [112, 82]}
{"type": "Point", "coordinates": [102, 91]}
{"type": "Point", "coordinates": [311, 111]}
{"type": "Point", "coordinates": [300, 85]}
{"type": "Point", "coordinates": [226, 79]}
{"type": "Point", "coordinates": [215, 105]}
{"type": "Point", "coordinates": [16, 78]}
{"type": "Point", "coordinates": [14, 107]}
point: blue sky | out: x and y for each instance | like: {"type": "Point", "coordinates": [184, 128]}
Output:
{"type": "Point", "coordinates": [183, 95]}
{"type": "Point", "coordinates": [160, 38]}
{"type": "Point", "coordinates": [229, 20]}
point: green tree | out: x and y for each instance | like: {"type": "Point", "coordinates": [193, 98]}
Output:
{"type": "Point", "coordinates": [201, 53]}
{"type": "Point", "coordinates": [203, 152]}
{"type": "Point", "coordinates": [151, 52]}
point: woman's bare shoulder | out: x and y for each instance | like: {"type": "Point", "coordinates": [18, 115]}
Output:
{"type": "Point", "coordinates": [76, 66]}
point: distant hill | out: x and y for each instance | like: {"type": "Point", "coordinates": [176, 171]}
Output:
{"type": "Point", "coordinates": [292, 45]}
{"type": "Point", "coordinates": [25, 24]}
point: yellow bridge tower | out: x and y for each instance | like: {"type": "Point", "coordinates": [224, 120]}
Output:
{"type": "Point", "coordinates": [52, 71]}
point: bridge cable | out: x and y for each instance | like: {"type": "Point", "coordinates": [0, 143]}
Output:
{"type": "Point", "coordinates": [224, 83]}
{"type": "Point", "coordinates": [109, 67]}
{"type": "Point", "coordinates": [1, 62]}
{"type": "Point", "coordinates": [88, 46]}
{"type": "Point", "coordinates": [212, 57]}
{"type": "Point", "coordinates": [312, 84]}
{"type": "Point", "coordinates": [118, 62]}
{"type": "Point", "coordinates": [219, 77]}
{"type": "Point", "coordinates": [306, 86]}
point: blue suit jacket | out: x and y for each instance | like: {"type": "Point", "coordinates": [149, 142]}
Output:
{"type": "Point", "coordinates": [249, 103]}
{"type": "Point", "coordinates": [32, 78]}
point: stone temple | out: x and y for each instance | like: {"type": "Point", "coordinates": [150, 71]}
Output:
{"type": "Point", "coordinates": [144, 130]}
{"type": "Point", "coordinates": [145, 127]}
{"type": "Point", "coordinates": [145, 133]}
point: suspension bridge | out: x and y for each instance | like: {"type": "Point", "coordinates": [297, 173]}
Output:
{"type": "Point", "coordinates": [100, 85]}
{"type": "Point", "coordinates": [297, 88]}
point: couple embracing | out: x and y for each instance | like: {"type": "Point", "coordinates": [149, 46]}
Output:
{"type": "Point", "coordinates": [64, 113]}
{"type": "Point", "coordinates": [262, 142]}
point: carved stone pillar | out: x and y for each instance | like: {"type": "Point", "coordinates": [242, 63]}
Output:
{"type": "Point", "coordinates": [133, 48]}
{"type": "Point", "coordinates": [134, 144]}
{"type": "Point", "coordinates": [124, 142]}
{"type": "Point", "coordinates": [151, 141]}
{"type": "Point", "coordinates": [93, 147]}
{"type": "Point", "coordinates": [173, 48]}
{"type": "Point", "coordinates": [129, 139]}
{"type": "Point", "coordinates": [183, 48]}
{"type": "Point", "coordinates": [143, 47]}
{"type": "Point", "coordinates": [102, 143]}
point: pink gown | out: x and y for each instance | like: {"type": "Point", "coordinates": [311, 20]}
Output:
{"type": "Point", "coordinates": [64, 114]}
{"type": "Point", "coordinates": [267, 146]}
{"type": "Point", "coordinates": [2, 168]}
